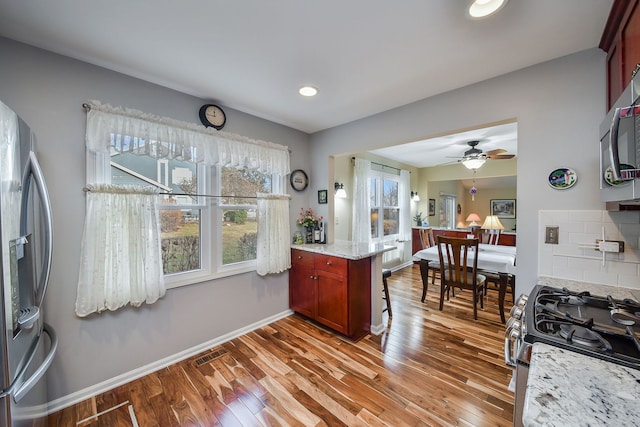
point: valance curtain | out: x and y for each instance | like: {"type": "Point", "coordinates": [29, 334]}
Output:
{"type": "Point", "coordinates": [163, 137]}
{"type": "Point", "coordinates": [121, 259]}
{"type": "Point", "coordinates": [273, 254]}
{"type": "Point", "coordinates": [361, 202]}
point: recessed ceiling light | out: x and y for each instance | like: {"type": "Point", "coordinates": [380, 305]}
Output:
{"type": "Point", "coordinates": [308, 91]}
{"type": "Point", "coordinates": [483, 8]}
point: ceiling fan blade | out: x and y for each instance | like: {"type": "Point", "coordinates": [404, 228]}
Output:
{"type": "Point", "coordinates": [496, 151]}
{"type": "Point", "coordinates": [501, 156]}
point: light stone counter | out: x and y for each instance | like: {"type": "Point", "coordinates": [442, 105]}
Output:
{"type": "Point", "coordinates": [568, 389]}
{"type": "Point", "coordinates": [346, 249]}
{"type": "Point", "coordinates": [595, 289]}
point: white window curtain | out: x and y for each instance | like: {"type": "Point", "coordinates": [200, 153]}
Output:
{"type": "Point", "coordinates": [404, 190]}
{"type": "Point", "coordinates": [168, 138]}
{"type": "Point", "coordinates": [110, 278]}
{"type": "Point", "coordinates": [273, 252]}
{"type": "Point", "coordinates": [121, 256]}
{"type": "Point", "coordinates": [361, 225]}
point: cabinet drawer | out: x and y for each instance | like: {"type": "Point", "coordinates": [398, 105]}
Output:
{"type": "Point", "coordinates": [302, 258]}
{"type": "Point", "coordinates": [331, 264]}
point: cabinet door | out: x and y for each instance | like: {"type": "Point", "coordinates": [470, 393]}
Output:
{"type": "Point", "coordinates": [332, 301]}
{"type": "Point", "coordinates": [302, 290]}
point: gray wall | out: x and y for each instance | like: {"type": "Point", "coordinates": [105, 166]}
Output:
{"type": "Point", "coordinates": [48, 90]}
{"type": "Point", "coordinates": [558, 106]}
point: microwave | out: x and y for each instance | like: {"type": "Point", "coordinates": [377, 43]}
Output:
{"type": "Point", "coordinates": [620, 151]}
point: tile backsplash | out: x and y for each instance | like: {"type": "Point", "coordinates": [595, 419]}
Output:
{"type": "Point", "coordinates": [570, 259]}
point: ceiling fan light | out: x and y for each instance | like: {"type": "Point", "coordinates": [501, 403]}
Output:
{"type": "Point", "coordinates": [473, 162]}
{"type": "Point", "coordinates": [482, 8]}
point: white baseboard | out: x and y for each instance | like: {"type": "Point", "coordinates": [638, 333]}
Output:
{"type": "Point", "coordinates": [377, 329]}
{"type": "Point", "coordinates": [80, 395]}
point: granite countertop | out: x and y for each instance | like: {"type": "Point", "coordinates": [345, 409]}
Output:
{"type": "Point", "coordinates": [567, 389]}
{"type": "Point", "coordinates": [595, 289]}
{"type": "Point", "coordinates": [346, 249]}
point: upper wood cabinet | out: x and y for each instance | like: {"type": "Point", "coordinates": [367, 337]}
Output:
{"type": "Point", "coordinates": [621, 41]}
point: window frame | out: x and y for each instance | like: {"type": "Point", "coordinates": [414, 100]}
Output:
{"type": "Point", "coordinates": [380, 177]}
{"type": "Point", "coordinates": [209, 182]}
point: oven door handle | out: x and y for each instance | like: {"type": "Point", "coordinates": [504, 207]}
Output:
{"type": "Point", "coordinates": [511, 337]}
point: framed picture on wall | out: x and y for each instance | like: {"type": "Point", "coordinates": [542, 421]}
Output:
{"type": "Point", "coordinates": [432, 207]}
{"type": "Point", "coordinates": [322, 196]}
{"type": "Point", "coordinates": [503, 208]}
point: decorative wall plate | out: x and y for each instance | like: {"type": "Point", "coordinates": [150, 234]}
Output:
{"type": "Point", "coordinates": [608, 175]}
{"type": "Point", "coordinates": [562, 178]}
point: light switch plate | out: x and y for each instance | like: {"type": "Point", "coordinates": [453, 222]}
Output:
{"type": "Point", "coordinates": [551, 235]}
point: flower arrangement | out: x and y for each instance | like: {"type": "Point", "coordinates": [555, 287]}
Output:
{"type": "Point", "coordinates": [307, 218]}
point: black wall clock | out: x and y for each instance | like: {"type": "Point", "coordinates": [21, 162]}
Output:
{"type": "Point", "coordinates": [299, 180]}
{"type": "Point", "coordinates": [212, 116]}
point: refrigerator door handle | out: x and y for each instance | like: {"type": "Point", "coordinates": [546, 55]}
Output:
{"type": "Point", "coordinates": [18, 389]}
{"type": "Point", "coordinates": [27, 385]}
{"type": "Point", "coordinates": [34, 166]}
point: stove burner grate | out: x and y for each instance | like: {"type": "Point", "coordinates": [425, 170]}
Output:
{"type": "Point", "coordinates": [585, 337]}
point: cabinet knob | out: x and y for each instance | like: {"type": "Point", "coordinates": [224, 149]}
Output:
{"type": "Point", "coordinates": [328, 262]}
{"type": "Point", "coordinates": [299, 256]}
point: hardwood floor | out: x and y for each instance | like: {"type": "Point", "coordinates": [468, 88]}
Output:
{"type": "Point", "coordinates": [429, 368]}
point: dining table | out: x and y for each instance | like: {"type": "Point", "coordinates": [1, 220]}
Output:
{"type": "Point", "coordinates": [497, 260]}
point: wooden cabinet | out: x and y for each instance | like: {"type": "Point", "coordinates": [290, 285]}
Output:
{"type": "Point", "coordinates": [621, 41]}
{"type": "Point", "coordinates": [333, 291]}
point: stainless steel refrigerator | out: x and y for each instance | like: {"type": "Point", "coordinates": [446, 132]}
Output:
{"type": "Point", "coordinates": [28, 345]}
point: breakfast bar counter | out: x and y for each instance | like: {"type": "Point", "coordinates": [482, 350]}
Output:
{"type": "Point", "coordinates": [339, 285]}
{"type": "Point", "coordinates": [346, 249]}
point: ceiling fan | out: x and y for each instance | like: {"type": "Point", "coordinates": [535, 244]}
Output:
{"type": "Point", "coordinates": [473, 158]}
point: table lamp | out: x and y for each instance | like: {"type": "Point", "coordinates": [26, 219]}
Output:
{"type": "Point", "coordinates": [473, 218]}
{"type": "Point", "coordinates": [492, 222]}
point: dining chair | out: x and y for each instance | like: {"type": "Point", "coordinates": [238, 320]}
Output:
{"type": "Point", "coordinates": [457, 270]}
{"type": "Point", "coordinates": [427, 240]}
{"type": "Point", "coordinates": [494, 279]}
{"type": "Point", "coordinates": [491, 237]}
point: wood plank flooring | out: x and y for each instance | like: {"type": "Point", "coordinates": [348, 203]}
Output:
{"type": "Point", "coordinates": [429, 368]}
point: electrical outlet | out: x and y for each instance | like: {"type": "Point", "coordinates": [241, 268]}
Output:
{"type": "Point", "coordinates": [615, 246]}
{"type": "Point", "coordinates": [551, 235]}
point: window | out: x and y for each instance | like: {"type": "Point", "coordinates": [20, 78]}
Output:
{"type": "Point", "coordinates": [385, 209]}
{"type": "Point", "coordinates": [202, 237]}
{"type": "Point", "coordinates": [448, 211]}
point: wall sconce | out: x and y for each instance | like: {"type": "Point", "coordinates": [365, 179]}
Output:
{"type": "Point", "coordinates": [340, 192]}
{"type": "Point", "coordinates": [415, 197]}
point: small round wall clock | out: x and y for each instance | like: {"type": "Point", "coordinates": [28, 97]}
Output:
{"type": "Point", "coordinates": [212, 116]}
{"type": "Point", "coordinates": [299, 180]}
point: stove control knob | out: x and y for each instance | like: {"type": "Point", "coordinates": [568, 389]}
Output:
{"type": "Point", "coordinates": [516, 311]}
{"type": "Point", "coordinates": [522, 300]}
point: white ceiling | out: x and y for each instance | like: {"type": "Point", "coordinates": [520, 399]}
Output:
{"type": "Point", "coordinates": [449, 149]}
{"type": "Point", "coordinates": [365, 56]}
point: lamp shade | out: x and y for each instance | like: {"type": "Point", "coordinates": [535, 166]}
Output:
{"type": "Point", "coordinates": [473, 218]}
{"type": "Point", "coordinates": [492, 222]}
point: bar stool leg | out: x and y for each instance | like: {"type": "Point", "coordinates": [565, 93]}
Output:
{"type": "Point", "coordinates": [385, 289]}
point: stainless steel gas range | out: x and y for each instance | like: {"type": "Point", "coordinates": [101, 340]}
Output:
{"type": "Point", "coordinates": [597, 326]}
